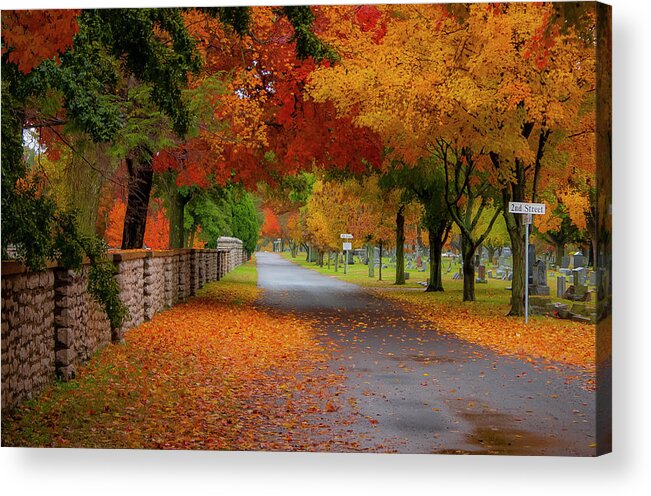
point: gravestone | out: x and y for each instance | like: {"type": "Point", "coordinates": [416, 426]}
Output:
{"type": "Point", "coordinates": [577, 260]}
{"type": "Point", "coordinates": [539, 280]}
{"type": "Point", "coordinates": [490, 274]}
{"type": "Point", "coordinates": [592, 279]}
{"type": "Point", "coordinates": [419, 261]}
{"type": "Point", "coordinates": [580, 276]}
{"type": "Point", "coordinates": [481, 274]}
{"type": "Point", "coordinates": [565, 262]}
{"type": "Point", "coordinates": [560, 286]}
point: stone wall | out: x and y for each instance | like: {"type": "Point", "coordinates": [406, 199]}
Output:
{"type": "Point", "coordinates": [50, 324]}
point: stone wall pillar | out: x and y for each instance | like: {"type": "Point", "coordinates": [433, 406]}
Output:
{"type": "Point", "coordinates": [67, 290]}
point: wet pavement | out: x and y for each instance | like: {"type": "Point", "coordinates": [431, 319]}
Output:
{"type": "Point", "coordinates": [413, 389]}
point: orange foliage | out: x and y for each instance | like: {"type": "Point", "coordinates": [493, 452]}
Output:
{"type": "Point", "coordinates": [157, 230]}
{"type": "Point", "coordinates": [32, 36]}
{"type": "Point", "coordinates": [271, 226]}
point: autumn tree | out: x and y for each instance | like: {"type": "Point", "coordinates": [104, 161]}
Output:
{"type": "Point", "coordinates": [503, 78]}
{"type": "Point", "coordinates": [468, 193]}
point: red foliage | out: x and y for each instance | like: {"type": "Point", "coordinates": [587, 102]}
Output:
{"type": "Point", "coordinates": [271, 226]}
{"type": "Point", "coordinates": [31, 36]}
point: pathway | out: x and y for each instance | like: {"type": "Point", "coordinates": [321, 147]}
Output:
{"type": "Point", "coordinates": [413, 389]}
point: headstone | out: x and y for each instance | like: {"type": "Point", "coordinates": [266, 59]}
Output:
{"type": "Point", "coordinates": [481, 274]}
{"type": "Point", "coordinates": [580, 276]}
{"type": "Point", "coordinates": [565, 262]}
{"type": "Point", "coordinates": [592, 279]}
{"type": "Point", "coordinates": [419, 261]}
{"type": "Point", "coordinates": [490, 274]}
{"type": "Point", "coordinates": [406, 276]}
{"type": "Point", "coordinates": [539, 280]}
{"type": "Point", "coordinates": [560, 286]}
{"type": "Point", "coordinates": [577, 260]}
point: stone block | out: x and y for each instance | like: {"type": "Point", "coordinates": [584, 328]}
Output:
{"type": "Point", "coordinates": [65, 336]}
{"type": "Point", "coordinates": [66, 373]}
{"type": "Point", "coordinates": [65, 357]}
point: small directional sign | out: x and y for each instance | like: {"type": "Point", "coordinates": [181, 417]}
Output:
{"type": "Point", "coordinates": [346, 236]}
{"type": "Point", "coordinates": [526, 208]}
{"type": "Point", "coordinates": [348, 246]}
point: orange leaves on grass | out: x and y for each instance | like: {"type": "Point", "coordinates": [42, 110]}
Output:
{"type": "Point", "coordinates": [213, 373]}
{"type": "Point", "coordinates": [562, 341]}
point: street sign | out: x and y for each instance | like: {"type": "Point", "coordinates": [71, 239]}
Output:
{"type": "Point", "coordinates": [348, 246]}
{"type": "Point", "coordinates": [346, 236]}
{"type": "Point", "coordinates": [526, 208]}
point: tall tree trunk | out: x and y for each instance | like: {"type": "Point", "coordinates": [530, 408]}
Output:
{"type": "Point", "coordinates": [468, 256]}
{"type": "Point", "coordinates": [337, 261]}
{"type": "Point", "coordinates": [516, 235]}
{"type": "Point", "coordinates": [141, 175]}
{"type": "Point", "coordinates": [419, 239]}
{"type": "Point", "coordinates": [329, 257]}
{"type": "Point", "coordinates": [560, 253]}
{"type": "Point", "coordinates": [400, 246]}
{"type": "Point", "coordinates": [435, 264]}
{"type": "Point", "coordinates": [177, 204]}
{"type": "Point", "coordinates": [516, 230]}
{"type": "Point", "coordinates": [491, 253]}
{"type": "Point", "coordinates": [380, 267]}
{"type": "Point", "coordinates": [370, 257]}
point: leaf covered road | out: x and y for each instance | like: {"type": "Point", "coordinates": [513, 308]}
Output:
{"type": "Point", "coordinates": [413, 389]}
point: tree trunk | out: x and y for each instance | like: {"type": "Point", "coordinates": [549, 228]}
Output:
{"type": "Point", "coordinates": [370, 257]}
{"type": "Point", "coordinates": [141, 175]}
{"type": "Point", "coordinates": [516, 230]}
{"type": "Point", "coordinates": [336, 261]}
{"type": "Point", "coordinates": [468, 256]}
{"type": "Point", "coordinates": [516, 235]}
{"type": "Point", "coordinates": [400, 246]}
{"type": "Point", "coordinates": [380, 267]}
{"type": "Point", "coordinates": [435, 264]}
{"type": "Point", "coordinates": [177, 204]}
{"type": "Point", "coordinates": [329, 257]}
{"type": "Point", "coordinates": [293, 248]}
{"type": "Point", "coordinates": [560, 253]}
{"type": "Point", "coordinates": [320, 258]}
{"type": "Point", "coordinates": [491, 253]}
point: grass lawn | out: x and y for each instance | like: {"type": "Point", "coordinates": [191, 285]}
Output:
{"type": "Point", "coordinates": [483, 321]}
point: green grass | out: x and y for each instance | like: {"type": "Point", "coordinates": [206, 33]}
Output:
{"type": "Point", "coordinates": [493, 295]}
{"type": "Point", "coordinates": [238, 287]}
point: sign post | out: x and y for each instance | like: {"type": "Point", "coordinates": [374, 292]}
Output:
{"type": "Point", "coordinates": [347, 246]}
{"type": "Point", "coordinates": [527, 210]}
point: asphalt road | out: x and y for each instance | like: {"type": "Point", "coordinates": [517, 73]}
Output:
{"type": "Point", "coordinates": [416, 390]}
